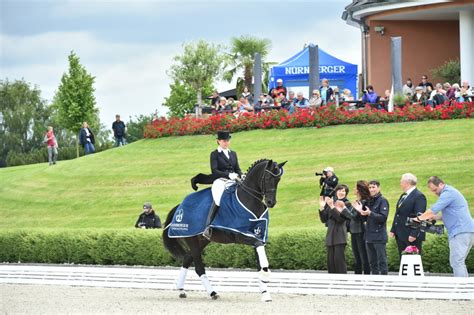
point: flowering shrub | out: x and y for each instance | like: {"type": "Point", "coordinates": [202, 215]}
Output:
{"type": "Point", "coordinates": [411, 250]}
{"type": "Point", "coordinates": [321, 117]}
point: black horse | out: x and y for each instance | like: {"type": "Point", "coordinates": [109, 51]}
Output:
{"type": "Point", "coordinates": [257, 192]}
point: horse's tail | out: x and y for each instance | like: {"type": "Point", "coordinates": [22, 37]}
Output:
{"type": "Point", "coordinates": [173, 245]}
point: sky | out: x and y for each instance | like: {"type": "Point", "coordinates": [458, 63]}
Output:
{"type": "Point", "coordinates": [128, 46]}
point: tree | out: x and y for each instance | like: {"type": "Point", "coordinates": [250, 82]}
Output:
{"type": "Point", "coordinates": [75, 101]}
{"type": "Point", "coordinates": [183, 97]}
{"type": "Point", "coordinates": [25, 117]}
{"type": "Point", "coordinates": [198, 66]}
{"type": "Point", "coordinates": [242, 58]}
{"type": "Point", "coordinates": [136, 127]}
{"type": "Point", "coordinates": [450, 71]}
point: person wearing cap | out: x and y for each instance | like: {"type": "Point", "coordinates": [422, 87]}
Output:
{"type": "Point", "coordinates": [224, 167]}
{"type": "Point", "coordinates": [328, 182]}
{"type": "Point", "coordinates": [274, 92]}
{"type": "Point", "coordinates": [148, 219]}
{"type": "Point", "coordinates": [420, 96]}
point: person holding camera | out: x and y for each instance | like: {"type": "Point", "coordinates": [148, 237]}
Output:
{"type": "Point", "coordinates": [410, 203]}
{"type": "Point", "coordinates": [331, 213]}
{"type": "Point", "coordinates": [369, 95]}
{"type": "Point", "coordinates": [148, 219]}
{"type": "Point", "coordinates": [357, 229]}
{"type": "Point", "coordinates": [327, 182]}
{"type": "Point", "coordinates": [457, 219]}
{"type": "Point", "coordinates": [376, 214]}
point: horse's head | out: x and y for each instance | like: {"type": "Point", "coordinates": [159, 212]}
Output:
{"type": "Point", "coordinates": [270, 180]}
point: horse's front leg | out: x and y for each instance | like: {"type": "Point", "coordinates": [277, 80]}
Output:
{"type": "Point", "coordinates": [201, 272]}
{"type": "Point", "coordinates": [263, 274]}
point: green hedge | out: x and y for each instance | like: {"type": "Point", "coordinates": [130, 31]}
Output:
{"type": "Point", "coordinates": [299, 250]}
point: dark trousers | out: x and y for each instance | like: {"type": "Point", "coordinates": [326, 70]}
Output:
{"type": "Point", "coordinates": [401, 245]}
{"type": "Point", "coordinates": [337, 259]}
{"type": "Point", "coordinates": [360, 254]}
{"type": "Point", "coordinates": [378, 258]}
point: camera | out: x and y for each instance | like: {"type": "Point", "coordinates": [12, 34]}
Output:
{"type": "Point", "coordinates": [365, 92]}
{"type": "Point", "coordinates": [323, 173]}
{"type": "Point", "coordinates": [425, 226]}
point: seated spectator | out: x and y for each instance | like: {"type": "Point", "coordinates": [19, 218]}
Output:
{"type": "Point", "coordinates": [215, 99]}
{"type": "Point", "coordinates": [280, 100]}
{"type": "Point", "coordinates": [289, 101]}
{"type": "Point", "coordinates": [450, 90]}
{"type": "Point", "coordinates": [222, 105]}
{"type": "Point", "coordinates": [419, 97]}
{"type": "Point", "coordinates": [369, 95]}
{"type": "Point", "coordinates": [465, 92]}
{"type": "Point", "coordinates": [264, 101]}
{"type": "Point", "coordinates": [326, 92]}
{"type": "Point", "coordinates": [246, 93]}
{"type": "Point", "coordinates": [274, 92]}
{"type": "Point", "coordinates": [408, 88]}
{"type": "Point", "coordinates": [315, 101]}
{"type": "Point", "coordinates": [148, 219]}
{"type": "Point", "coordinates": [300, 103]}
{"type": "Point", "coordinates": [429, 95]}
{"type": "Point", "coordinates": [424, 83]}
{"type": "Point", "coordinates": [347, 95]}
{"type": "Point", "coordinates": [439, 95]}
{"type": "Point", "coordinates": [244, 105]}
{"type": "Point", "coordinates": [230, 105]}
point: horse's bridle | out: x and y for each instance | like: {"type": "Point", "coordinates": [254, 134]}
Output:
{"type": "Point", "coordinates": [260, 195]}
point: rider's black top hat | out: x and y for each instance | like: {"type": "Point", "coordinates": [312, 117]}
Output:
{"type": "Point", "coordinates": [223, 135]}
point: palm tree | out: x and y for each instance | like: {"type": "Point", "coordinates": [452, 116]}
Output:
{"type": "Point", "coordinates": [241, 57]}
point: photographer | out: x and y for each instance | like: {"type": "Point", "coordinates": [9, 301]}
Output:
{"type": "Point", "coordinates": [369, 95]}
{"type": "Point", "coordinates": [457, 219]}
{"type": "Point", "coordinates": [376, 214]}
{"type": "Point", "coordinates": [331, 213]}
{"type": "Point", "coordinates": [327, 182]}
{"type": "Point", "coordinates": [148, 219]}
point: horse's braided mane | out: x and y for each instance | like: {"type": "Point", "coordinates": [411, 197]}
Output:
{"type": "Point", "coordinates": [255, 163]}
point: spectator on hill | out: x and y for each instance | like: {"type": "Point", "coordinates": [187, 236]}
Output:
{"type": "Point", "coordinates": [466, 93]}
{"type": "Point", "coordinates": [86, 138]}
{"type": "Point", "coordinates": [419, 97]}
{"type": "Point", "coordinates": [408, 88]}
{"type": "Point", "coordinates": [289, 101]}
{"type": "Point", "coordinates": [52, 145]}
{"type": "Point", "coordinates": [466, 88]}
{"type": "Point", "coordinates": [118, 127]}
{"type": "Point", "coordinates": [450, 91]}
{"type": "Point", "coordinates": [280, 100]}
{"type": "Point", "coordinates": [439, 95]}
{"type": "Point", "coordinates": [215, 99]}
{"type": "Point", "coordinates": [369, 95]}
{"type": "Point", "coordinates": [246, 93]}
{"type": "Point", "coordinates": [274, 92]}
{"type": "Point", "coordinates": [336, 236]}
{"type": "Point", "coordinates": [244, 105]}
{"type": "Point", "coordinates": [424, 83]}
{"type": "Point", "coordinates": [222, 104]}
{"type": "Point", "coordinates": [325, 91]}
{"type": "Point", "coordinates": [347, 95]}
{"type": "Point", "coordinates": [315, 101]}
{"type": "Point", "coordinates": [300, 103]}
{"type": "Point", "coordinates": [148, 219]}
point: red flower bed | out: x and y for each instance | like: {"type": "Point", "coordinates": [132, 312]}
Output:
{"type": "Point", "coordinates": [323, 116]}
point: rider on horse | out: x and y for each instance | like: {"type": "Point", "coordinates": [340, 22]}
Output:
{"type": "Point", "coordinates": [224, 167]}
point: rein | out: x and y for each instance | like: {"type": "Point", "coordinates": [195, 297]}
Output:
{"type": "Point", "coordinates": [257, 194]}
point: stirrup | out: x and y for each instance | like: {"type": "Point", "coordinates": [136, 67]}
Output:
{"type": "Point", "coordinates": [207, 234]}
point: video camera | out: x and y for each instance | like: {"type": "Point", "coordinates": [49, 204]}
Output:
{"type": "Point", "coordinates": [425, 226]}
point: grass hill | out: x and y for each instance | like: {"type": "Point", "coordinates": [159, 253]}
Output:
{"type": "Point", "coordinates": [107, 190]}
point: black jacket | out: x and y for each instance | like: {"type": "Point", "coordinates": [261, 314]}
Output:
{"type": "Point", "coordinates": [119, 128]}
{"type": "Point", "coordinates": [221, 166]}
{"type": "Point", "coordinates": [150, 220]}
{"type": "Point", "coordinates": [328, 185]}
{"type": "Point", "coordinates": [83, 137]}
{"type": "Point", "coordinates": [376, 227]}
{"type": "Point", "coordinates": [329, 93]}
{"type": "Point", "coordinates": [337, 231]}
{"type": "Point", "coordinates": [409, 208]}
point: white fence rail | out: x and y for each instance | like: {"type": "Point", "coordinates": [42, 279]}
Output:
{"type": "Point", "coordinates": [428, 287]}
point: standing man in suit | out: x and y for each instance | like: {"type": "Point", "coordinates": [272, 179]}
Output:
{"type": "Point", "coordinates": [410, 203]}
{"type": "Point", "coordinates": [224, 167]}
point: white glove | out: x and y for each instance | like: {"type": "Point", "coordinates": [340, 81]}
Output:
{"type": "Point", "coordinates": [233, 176]}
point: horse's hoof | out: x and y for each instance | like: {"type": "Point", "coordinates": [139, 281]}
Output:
{"type": "Point", "coordinates": [214, 295]}
{"type": "Point", "coordinates": [182, 295]}
{"type": "Point", "coordinates": [266, 297]}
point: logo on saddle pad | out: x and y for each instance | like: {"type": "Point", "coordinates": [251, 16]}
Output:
{"type": "Point", "coordinates": [179, 215]}
{"type": "Point", "coordinates": [257, 230]}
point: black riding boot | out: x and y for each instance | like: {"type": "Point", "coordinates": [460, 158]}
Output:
{"type": "Point", "coordinates": [212, 213]}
